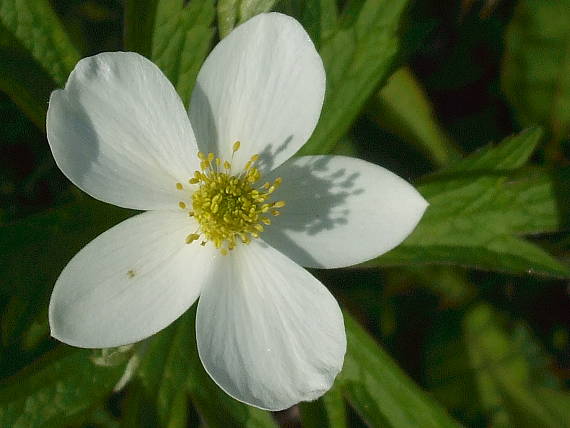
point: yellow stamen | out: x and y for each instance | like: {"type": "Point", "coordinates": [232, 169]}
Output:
{"type": "Point", "coordinates": [228, 208]}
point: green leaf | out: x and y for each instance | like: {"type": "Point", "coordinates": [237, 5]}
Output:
{"type": "Point", "coordinates": [320, 19]}
{"type": "Point", "coordinates": [139, 16]}
{"type": "Point", "coordinates": [402, 107]}
{"type": "Point", "coordinates": [327, 412]}
{"type": "Point", "coordinates": [536, 65]}
{"type": "Point", "coordinates": [235, 12]}
{"type": "Point", "coordinates": [557, 402]}
{"type": "Point", "coordinates": [474, 365]}
{"type": "Point", "coordinates": [36, 249]}
{"type": "Point", "coordinates": [166, 365]}
{"type": "Point", "coordinates": [55, 389]}
{"type": "Point", "coordinates": [37, 27]}
{"type": "Point", "coordinates": [181, 40]}
{"type": "Point", "coordinates": [358, 57]}
{"type": "Point", "coordinates": [23, 80]}
{"type": "Point", "coordinates": [171, 364]}
{"type": "Point", "coordinates": [503, 375]}
{"type": "Point", "coordinates": [380, 391]}
{"type": "Point", "coordinates": [478, 207]}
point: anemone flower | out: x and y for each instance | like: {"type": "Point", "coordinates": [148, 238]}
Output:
{"type": "Point", "coordinates": [230, 215]}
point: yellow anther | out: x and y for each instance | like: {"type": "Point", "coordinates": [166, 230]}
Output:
{"type": "Point", "coordinates": [192, 237]}
{"type": "Point", "coordinates": [228, 208]}
{"type": "Point", "coordinates": [275, 213]}
{"type": "Point", "coordinates": [179, 186]}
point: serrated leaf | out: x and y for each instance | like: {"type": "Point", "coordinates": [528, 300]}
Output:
{"type": "Point", "coordinates": [38, 29]}
{"type": "Point", "coordinates": [181, 40]}
{"type": "Point", "coordinates": [512, 153]}
{"type": "Point", "coordinates": [55, 389]}
{"type": "Point", "coordinates": [402, 107]}
{"type": "Point", "coordinates": [234, 12]}
{"type": "Point", "coordinates": [536, 66]}
{"type": "Point", "coordinates": [378, 389]}
{"type": "Point", "coordinates": [171, 364]}
{"type": "Point", "coordinates": [480, 205]}
{"type": "Point", "coordinates": [358, 57]}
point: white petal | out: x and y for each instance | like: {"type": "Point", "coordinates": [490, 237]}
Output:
{"type": "Point", "coordinates": [130, 282]}
{"type": "Point", "coordinates": [341, 211]}
{"type": "Point", "coordinates": [269, 333]}
{"type": "Point", "coordinates": [263, 85]}
{"type": "Point", "coordinates": [120, 132]}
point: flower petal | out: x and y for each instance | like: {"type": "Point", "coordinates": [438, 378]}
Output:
{"type": "Point", "coordinates": [130, 282]}
{"type": "Point", "coordinates": [120, 132]}
{"type": "Point", "coordinates": [263, 85]}
{"type": "Point", "coordinates": [269, 333]}
{"type": "Point", "coordinates": [341, 211]}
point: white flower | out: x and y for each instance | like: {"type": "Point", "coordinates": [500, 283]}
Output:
{"type": "Point", "coordinates": [268, 332]}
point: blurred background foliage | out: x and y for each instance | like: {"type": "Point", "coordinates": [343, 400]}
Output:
{"type": "Point", "coordinates": [466, 323]}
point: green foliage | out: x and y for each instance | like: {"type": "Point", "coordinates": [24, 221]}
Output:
{"type": "Point", "coordinates": [487, 368]}
{"type": "Point", "coordinates": [234, 12]}
{"type": "Point", "coordinates": [181, 40]}
{"type": "Point", "coordinates": [23, 79]}
{"type": "Point", "coordinates": [403, 108]}
{"type": "Point", "coordinates": [139, 25]}
{"type": "Point", "coordinates": [502, 374]}
{"type": "Point", "coordinates": [171, 367]}
{"type": "Point", "coordinates": [38, 29]}
{"type": "Point", "coordinates": [358, 55]}
{"type": "Point", "coordinates": [536, 67]}
{"type": "Point", "coordinates": [327, 412]}
{"type": "Point", "coordinates": [379, 391]}
{"type": "Point", "coordinates": [479, 205]}
{"type": "Point", "coordinates": [477, 366]}
{"type": "Point", "coordinates": [55, 389]}
{"type": "Point", "coordinates": [36, 250]}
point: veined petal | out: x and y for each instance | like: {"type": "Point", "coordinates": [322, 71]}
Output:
{"type": "Point", "coordinates": [130, 282]}
{"type": "Point", "coordinates": [341, 211]}
{"type": "Point", "coordinates": [268, 332]}
{"type": "Point", "coordinates": [120, 132]}
{"type": "Point", "coordinates": [263, 85]}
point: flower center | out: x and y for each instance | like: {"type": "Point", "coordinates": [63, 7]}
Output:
{"type": "Point", "coordinates": [229, 208]}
